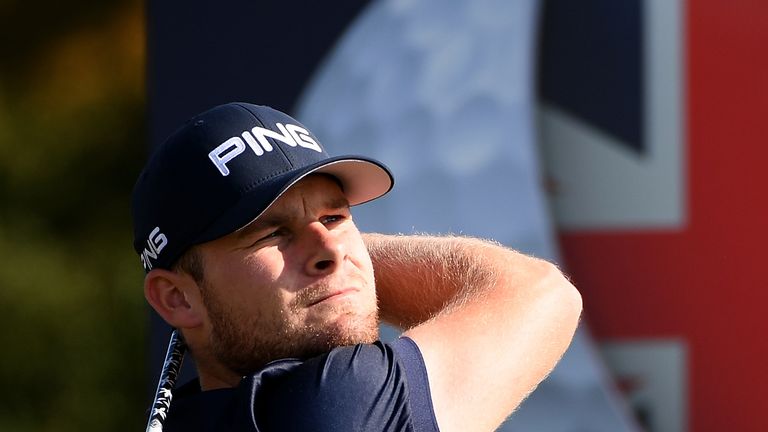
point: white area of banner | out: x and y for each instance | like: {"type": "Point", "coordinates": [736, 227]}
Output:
{"type": "Point", "coordinates": [654, 373]}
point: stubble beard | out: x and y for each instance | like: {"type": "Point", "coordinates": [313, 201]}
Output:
{"type": "Point", "coordinates": [247, 345]}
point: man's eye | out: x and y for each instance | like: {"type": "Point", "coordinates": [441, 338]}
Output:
{"type": "Point", "coordinates": [332, 219]}
{"type": "Point", "coordinates": [271, 235]}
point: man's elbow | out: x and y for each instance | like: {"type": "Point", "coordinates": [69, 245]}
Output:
{"type": "Point", "coordinates": [565, 300]}
{"type": "Point", "coordinates": [571, 296]}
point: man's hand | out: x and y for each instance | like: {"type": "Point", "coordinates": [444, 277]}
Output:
{"type": "Point", "coordinates": [491, 323]}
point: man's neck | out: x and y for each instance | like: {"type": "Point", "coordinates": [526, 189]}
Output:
{"type": "Point", "coordinates": [217, 378]}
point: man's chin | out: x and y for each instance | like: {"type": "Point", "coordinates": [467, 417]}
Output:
{"type": "Point", "coordinates": [245, 353]}
{"type": "Point", "coordinates": [347, 330]}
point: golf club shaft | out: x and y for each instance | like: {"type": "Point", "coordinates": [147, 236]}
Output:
{"type": "Point", "coordinates": [164, 393]}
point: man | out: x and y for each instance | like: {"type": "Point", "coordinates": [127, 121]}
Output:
{"type": "Point", "coordinates": [243, 225]}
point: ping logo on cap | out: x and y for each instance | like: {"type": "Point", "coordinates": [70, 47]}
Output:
{"type": "Point", "coordinates": [155, 244]}
{"type": "Point", "coordinates": [256, 139]}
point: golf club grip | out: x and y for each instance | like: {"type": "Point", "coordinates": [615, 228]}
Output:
{"type": "Point", "coordinates": [164, 393]}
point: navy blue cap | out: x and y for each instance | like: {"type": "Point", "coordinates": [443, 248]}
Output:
{"type": "Point", "coordinates": [223, 169]}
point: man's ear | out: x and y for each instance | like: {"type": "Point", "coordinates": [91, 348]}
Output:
{"type": "Point", "coordinates": [175, 297]}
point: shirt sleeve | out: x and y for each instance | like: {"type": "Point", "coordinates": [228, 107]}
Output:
{"type": "Point", "coordinates": [418, 384]}
{"type": "Point", "coordinates": [367, 387]}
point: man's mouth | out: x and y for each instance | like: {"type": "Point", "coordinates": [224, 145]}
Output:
{"type": "Point", "coordinates": [332, 295]}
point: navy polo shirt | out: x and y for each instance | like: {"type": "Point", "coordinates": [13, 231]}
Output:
{"type": "Point", "coordinates": [366, 387]}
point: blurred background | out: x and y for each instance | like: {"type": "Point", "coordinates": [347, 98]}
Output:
{"type": "Point", "coordinates": [621, 139]}
{"type": "Point", "coordinates": [73, 326]}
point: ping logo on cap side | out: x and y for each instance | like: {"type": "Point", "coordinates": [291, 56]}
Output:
{"type": "Point", "coordinates": [256, 139]}
{"type": "Point", "coordinates": [155, 244]}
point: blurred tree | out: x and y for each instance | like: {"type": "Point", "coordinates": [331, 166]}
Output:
{"type": "Point", "coordinates": [72, 136]}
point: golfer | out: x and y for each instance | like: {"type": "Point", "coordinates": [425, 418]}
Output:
{"type": "Point", "coordinates": [242, 222]}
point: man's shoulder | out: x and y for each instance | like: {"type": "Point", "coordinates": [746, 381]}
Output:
{"type": "Point", "coordinates": [358, 387]}
{"type": "Point", "coordinates": [346, 372]}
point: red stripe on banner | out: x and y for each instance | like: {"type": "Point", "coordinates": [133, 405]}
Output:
{"type": "Point", "coordinates": [705, 283]}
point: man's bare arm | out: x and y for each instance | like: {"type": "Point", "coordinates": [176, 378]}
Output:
{"type": "Point", "coordinates": [491, 323]}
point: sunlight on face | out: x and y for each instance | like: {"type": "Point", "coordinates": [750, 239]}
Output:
{"type": "Point", "coordinates": [296, 282]}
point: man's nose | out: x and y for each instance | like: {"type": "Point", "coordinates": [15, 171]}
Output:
{"type": "Point", "coordinates": [326, 250]}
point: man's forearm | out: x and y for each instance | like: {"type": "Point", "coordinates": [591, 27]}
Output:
{"type": "Point", "coordinates": [418, 277]}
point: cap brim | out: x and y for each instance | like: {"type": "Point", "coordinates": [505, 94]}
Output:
{"type": "Point", "coordinates": [362, 180]}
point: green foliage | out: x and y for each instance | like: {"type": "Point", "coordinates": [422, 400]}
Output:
{"type": "Point", "coordinates": [72, 137]}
